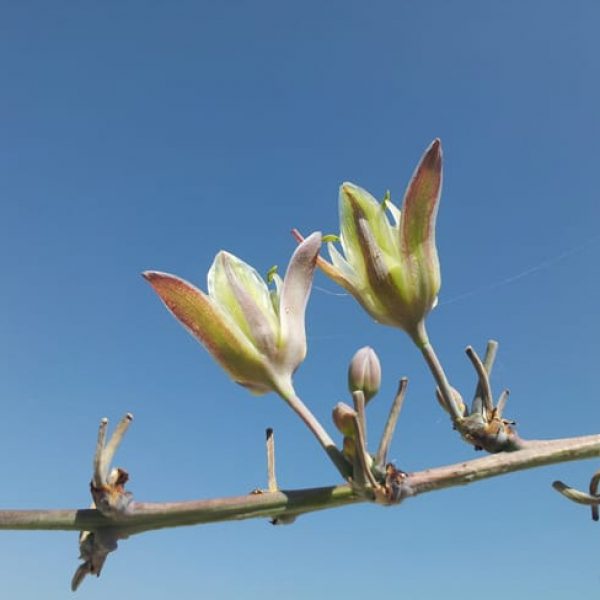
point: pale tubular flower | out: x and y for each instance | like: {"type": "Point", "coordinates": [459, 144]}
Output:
{"type": "Point", "coordinates": [255, 334]}
{"type": "Point", "coordinates": [391, 266]}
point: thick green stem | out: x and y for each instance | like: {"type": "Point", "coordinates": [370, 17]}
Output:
{"type": "Point", "coordinates": [147, 516]}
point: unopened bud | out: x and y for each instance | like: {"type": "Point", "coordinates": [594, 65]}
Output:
{"type": "Point", "coordinates": [343, 418]}
{"type": "Point", "coordinates": [364, 373]}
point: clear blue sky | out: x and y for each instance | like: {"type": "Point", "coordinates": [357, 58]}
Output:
{"type": "Point", "coordinates": [149, 135]}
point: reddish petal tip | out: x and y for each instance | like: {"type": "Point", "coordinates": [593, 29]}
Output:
{"type": "Point", "coordinates": [153, 275]}
{"type": "Point", "coordinates": [157, 279]}
{"type": "Point", "coordinates": [432, 159]}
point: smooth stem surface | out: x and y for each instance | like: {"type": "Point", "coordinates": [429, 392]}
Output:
{"type": "Point", "coordinates": [484, 380]}
{"type": "Point", "coordinates": [488, 362]}
{"type": "Point", "coordinates": [576, 495]}
{"type": "Point", "coordinates": [390, 424]}
{"type": "Point", "coordinates": [147, 516]}
{"type": "Point", "coordinates": [336, 457]}
{"type": "Point", "coordinates": [440, 377]}
{"type": "Point", "coordinates": [271, 477]}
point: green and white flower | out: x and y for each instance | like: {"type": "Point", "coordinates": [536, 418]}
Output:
{"type": "Point", "coordinates": [257, 335]}
{"type": "Point", "coordinates": [389, 260]}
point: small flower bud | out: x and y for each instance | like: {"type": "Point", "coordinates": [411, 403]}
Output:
{"type": "Point", "coordinates": [343, 418]}
{"type": "Point", "coordinates": [364, 373]}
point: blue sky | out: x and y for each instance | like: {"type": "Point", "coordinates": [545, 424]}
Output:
{"type": "Point", "coordinates": [149, 135]}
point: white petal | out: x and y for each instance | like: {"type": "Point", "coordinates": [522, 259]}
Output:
{"type": "Point", "coordinates": [294, 297]}
{"type": "Point", "coordinates": [394, 212]}
{"type": "Point", "coordinates": [240, 291]}
{"type": "Point", "coordinates": [340, 263]}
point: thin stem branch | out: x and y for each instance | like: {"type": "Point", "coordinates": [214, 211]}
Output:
{"type": "Point", "coordinates": [489, 358]}
{"type": "Point", "coordinates": [390, 424]}
{"type": "Point", "coordinates": [113, 443]}
{"type": "Point", "coordinates": [575, 495]}
{"type": "Point", "coordinates": [484, 381]}
{"type": "Point", "coordinates": [361, 450]}
{"type": "Point", "coordinates": [594, 482]}
{"type": "Point", "coordinates": [592, 499]}
{"type": "Point", "coordinates": [358, 398]}
{"type": "Point", "coordinates": [442, 381]}
{"type": "Point", "coordinates": [488, 362]}
{"type": "Point", "coordinates": [336, 457]}
{"type": "Point", "coordinates": [502, 402]}
{"type": "Point", "coordinates": [146, 516]}
{"type": "Point", "coordinates": [271, 477]}
{"type": "Point", "coordinates": [99, 477]}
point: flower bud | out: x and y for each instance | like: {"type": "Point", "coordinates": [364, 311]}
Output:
{"type": "Point", "coordinates": [364, 373]}
{"type": "Point", "coordinates": [343, 418]}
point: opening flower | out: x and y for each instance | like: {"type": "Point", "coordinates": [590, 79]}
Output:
{"type": "Point", "coordinates": [257, 335]}
{"type": "Point", "coordinates": [388, 259]}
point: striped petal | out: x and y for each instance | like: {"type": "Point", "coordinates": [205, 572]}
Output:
{"type": "Point", "coordinates": [295, 291]}
{"type": "Point", "coordinates": [417, 230]}
{"type": "Point", "coordinates": [240, 291]}
{"type": "Point", "coordinates": [218, 333]}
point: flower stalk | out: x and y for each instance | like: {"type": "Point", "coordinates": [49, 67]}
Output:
{"type": "Point", "coordinates": [439, 375]}
{"type": "Point", "coordinates": [334, 454]}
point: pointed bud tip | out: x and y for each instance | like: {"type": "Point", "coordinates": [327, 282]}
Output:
{"type": "Point", "coordinates": [300, 238]}
{"type": "Point", "coordinates": [364, 373]}
{"type": "Point", "coordinates": [151, 276]}
{"type": "Point", "coordinates": [348, 187]}
{"type": "Point", "coordinates": [165, 282]}
{"type": "Point", "coordinates": [352, 195]}
{"type": "Point", "coordinates": [315, 235]}
{"type": "Point", "coordinates": [224, 256]}
{"type": "Point", "coordinates": [310, 245]}
{"type": "Point", "coordinates": [432, 158]}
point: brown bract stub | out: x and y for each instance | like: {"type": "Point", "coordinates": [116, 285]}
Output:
{"type": "Point", "coordinates": [111, 498]}
{"type": "Point", "coordinates": [94, 547]}
{"type": "Point", "coordinates": [395, 487]}
{"type": "Point", "coordinates": [493, 435]}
